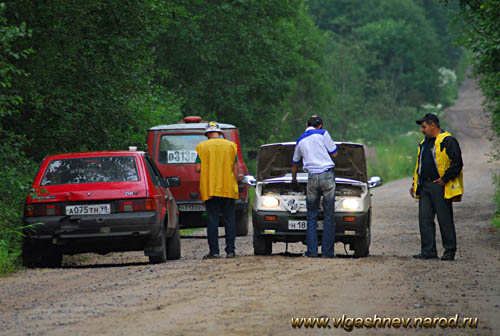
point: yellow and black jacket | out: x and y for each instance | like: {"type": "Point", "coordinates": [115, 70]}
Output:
{"type": "Point", "coordinates": [448, 159]}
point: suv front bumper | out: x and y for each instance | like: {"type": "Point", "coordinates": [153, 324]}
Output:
{"type": "Point", "coordinates": [349, 226]}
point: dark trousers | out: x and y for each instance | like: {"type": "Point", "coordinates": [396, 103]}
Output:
{"type": "Point", "coordinates": [432, 202]}
{"type": "Point", "coordinates": [214, 206]}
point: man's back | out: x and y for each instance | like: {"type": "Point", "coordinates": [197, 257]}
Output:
{"type": "Point", "coordinates": [315, 147]}
{"type": "Point", "coordinates": [217, 178]}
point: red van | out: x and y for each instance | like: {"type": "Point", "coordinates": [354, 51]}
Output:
{"type": "Point", "coordinates": [172, 149]}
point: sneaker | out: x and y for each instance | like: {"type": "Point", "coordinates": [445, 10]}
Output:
{"type": "Point", "coordinates": [211, 256]}
{"type": "Point", "coordinates": [230, 255]}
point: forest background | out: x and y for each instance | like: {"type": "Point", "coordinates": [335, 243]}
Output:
{"type": "Point", "coordinates": [95, 75]}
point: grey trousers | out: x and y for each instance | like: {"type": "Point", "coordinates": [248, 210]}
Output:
{"type": "Point", "coordinates": [432, 202]}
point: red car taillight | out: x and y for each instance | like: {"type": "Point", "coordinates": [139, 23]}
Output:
{"type": "Point", "coordinates": [29, 210]}
{"type": "Point", "coordinates": [147, 204]}
{"type": "Point", "coordinates": [36, 210]}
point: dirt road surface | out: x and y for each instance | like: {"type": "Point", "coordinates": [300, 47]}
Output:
{"type": "Point", "coordinates": [121, 294]}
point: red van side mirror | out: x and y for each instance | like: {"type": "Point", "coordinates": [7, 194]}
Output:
{"type": "Point", "coordinates": [173, 181]}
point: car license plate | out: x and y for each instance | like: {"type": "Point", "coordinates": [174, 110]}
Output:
{"type": "Point", "coordinates": [88, 209]}
{"type": "Point", "coordinates": [181, 156]}
{"type": "Point", "coordinates": [191, 207]}
{"type": "Point", "coordinates": [302, 225]}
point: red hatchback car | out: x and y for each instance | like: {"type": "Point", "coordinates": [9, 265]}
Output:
{"type": "Point", "coordinates": [99, 202]}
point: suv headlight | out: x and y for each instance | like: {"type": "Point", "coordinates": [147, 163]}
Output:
{"type": "Point", "coordinates": [350, 203]}
{"type": "Point", "coordinates": [270, 202]}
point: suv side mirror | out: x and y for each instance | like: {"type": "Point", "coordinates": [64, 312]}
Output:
{"type": "Point", "coordinates": [375, 181]}
{"type": "Point", "coordinates": [250, 180]}
{"type": "Point", "coordinates": [173, 181]}
{"type": "Point", "coordinates": [252, 155]}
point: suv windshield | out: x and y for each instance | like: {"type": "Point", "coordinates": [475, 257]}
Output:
{"type": "Point", "coordinates": [91, 170]}
{"type": "Point", "coordinates": [179, 148]}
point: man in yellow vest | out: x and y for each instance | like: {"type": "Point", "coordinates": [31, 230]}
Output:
{"type": "Point", "coordinates": [437, 182]}
{"type": "Point", "coordinates": [217, 164]}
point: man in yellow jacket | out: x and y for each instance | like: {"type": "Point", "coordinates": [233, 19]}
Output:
{"type": "Point", "coordinates": [437, 182]}
{"type": "Point", "coordinates": [217, 164]}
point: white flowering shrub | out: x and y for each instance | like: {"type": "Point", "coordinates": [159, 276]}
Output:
{"type": "Point", "coordinates": [447, 76]}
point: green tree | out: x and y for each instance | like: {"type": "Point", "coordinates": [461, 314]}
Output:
{"type": "Point", "coordinates": [9, 34]}
{"type": "Point", "coordinates": [480, 32]}
{"type": "Point", "coordinates": [238, 61]}
{"type": "Point", "coordinates": [382, 62]}
{"type": "Point", "coordinates": [16, 169]}
{"type": "Point", "coordinates": [91, 60]}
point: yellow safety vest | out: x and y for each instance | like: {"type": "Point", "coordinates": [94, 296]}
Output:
{"type": "Point", "coordinates": [454, 188]}
{"type": "Point", "coordinates": [217, 176]}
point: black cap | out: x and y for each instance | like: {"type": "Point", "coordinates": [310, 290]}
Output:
{"type": "Point", "coordinates": [428, 117]}
{"type": "Point", "coordinates": [314, 121]}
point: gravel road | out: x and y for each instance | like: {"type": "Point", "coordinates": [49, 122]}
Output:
{"type": "Point", "coordinates": [121, 294]}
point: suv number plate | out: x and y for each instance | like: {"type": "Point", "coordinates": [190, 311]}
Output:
{"type": "Point", "coordinates": [302, 225]}
{"type": "Point", "coordinates": [88, 209]}
{"type": "Point", "coordinates": [191, 207]}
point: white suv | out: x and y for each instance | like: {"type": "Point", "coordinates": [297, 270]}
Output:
{"type": "Point", "coordinates": [279, 209]}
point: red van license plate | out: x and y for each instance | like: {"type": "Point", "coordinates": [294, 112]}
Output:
{"type": "Point", "coordinates": [191, 207]}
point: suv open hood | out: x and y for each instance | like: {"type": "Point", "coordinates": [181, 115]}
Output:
{"type": "Point", "coordinates": [275, 160]}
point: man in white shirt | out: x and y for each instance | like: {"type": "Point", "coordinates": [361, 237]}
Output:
{"type": "Point", "coordinates": [316, 149]}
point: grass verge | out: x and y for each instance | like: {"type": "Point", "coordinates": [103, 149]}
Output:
{"type": "Point", "coordinates": [185, 232]}
{"type": "Point", "coordinates": [496, 219]}
{"type": "Point", "coordinates": [393, 159]}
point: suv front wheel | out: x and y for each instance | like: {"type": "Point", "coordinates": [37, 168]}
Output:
{"type": "Point", "coordinates": [362, 246]}
{"type": "Point", "coordinates": [261, 245]}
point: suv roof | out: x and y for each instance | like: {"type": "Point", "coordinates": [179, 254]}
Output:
{"type": "Point", "coordinates": [185, 126]}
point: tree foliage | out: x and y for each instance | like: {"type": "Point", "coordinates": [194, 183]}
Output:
{"type": "Point", "coordinates": [236, 61]}
{"type": "Point", "coordinates": [9, 34]}
{"type": "Point", "coordinates": [382, 62]}
{"type": "Point", "coordinates": [91, 59]}
{"type": "Point", "coordinates": [481, 34]}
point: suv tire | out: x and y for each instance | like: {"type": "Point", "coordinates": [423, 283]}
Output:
{"type": "Point", "coordinates": [362, 246]}
{"type": "Point", "coordinates": [261, 245]}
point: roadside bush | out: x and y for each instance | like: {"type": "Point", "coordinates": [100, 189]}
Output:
{"type": "Point", "coordinates": [15, 173]}
{"type": "Point", "coordinates": [496, 219]}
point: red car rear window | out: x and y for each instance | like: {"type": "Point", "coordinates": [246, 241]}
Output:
{"type": "Point", "coordinates": [91, 170]}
